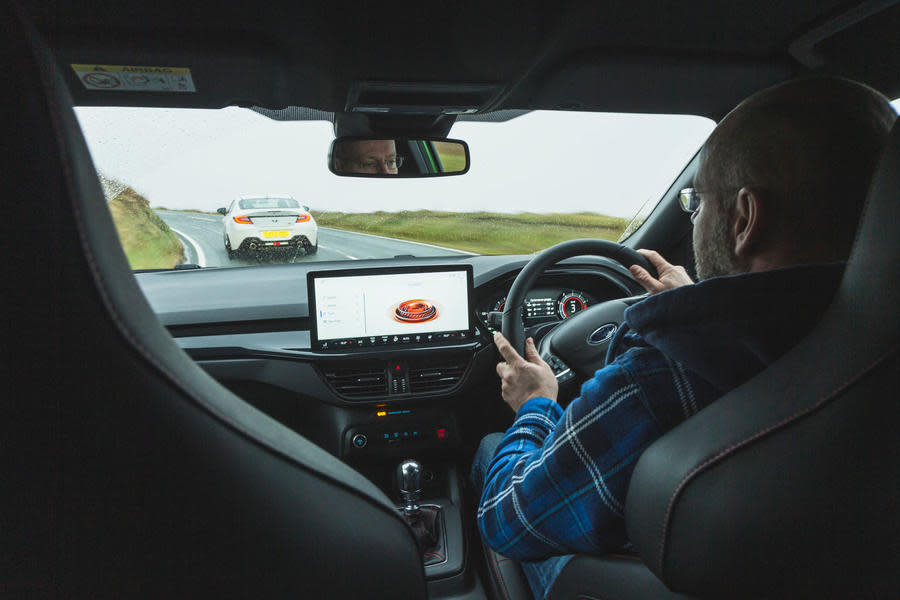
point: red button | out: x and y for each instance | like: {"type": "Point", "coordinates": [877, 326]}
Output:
{"type": "Point", "coordinates": [441, 433]}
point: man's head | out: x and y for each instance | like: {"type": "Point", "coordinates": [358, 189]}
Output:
{"type": "Point", "coordinates": [367, 156]}
{"type": "Point", "coordinates": [783, 178]}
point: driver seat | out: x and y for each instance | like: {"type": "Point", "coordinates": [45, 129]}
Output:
{"type": "Point", "coordinates": [789, 485]}
{"type": "Point", "coordinates": [127, 470]}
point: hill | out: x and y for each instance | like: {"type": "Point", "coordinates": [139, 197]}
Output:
{"type": "Point", "coordinates": [148, 242]}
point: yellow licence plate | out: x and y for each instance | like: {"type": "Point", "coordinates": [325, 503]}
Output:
{"type": "Point", "coordinates": [275, 234]}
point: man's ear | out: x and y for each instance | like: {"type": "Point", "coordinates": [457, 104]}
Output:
{"type": "Point", "coordinates": [749, 222]}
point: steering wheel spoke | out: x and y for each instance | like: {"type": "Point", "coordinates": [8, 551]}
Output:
{"type": "Point", "coordinates": [577, 346]}
{"type": "Point", "coordinates": [562, 371]}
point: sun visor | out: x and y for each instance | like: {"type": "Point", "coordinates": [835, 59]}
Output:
{"type": "Point", "coordinates": [697, 86]}
{"type": "Point", "coordinates": [133, 70]}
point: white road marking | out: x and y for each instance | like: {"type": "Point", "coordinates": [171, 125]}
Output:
{"type": "Point", "coordinates": [400, 240]}
{"type": "Point", "coordinates": [201, 258]}
{"type": "Point", "coordinates": [338, 251]}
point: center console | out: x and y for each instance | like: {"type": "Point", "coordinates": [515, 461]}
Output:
{"type": "Point", "coordinates": [394, 345]}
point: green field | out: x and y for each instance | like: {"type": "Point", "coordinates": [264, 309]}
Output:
{"type": "Point", "coordinates": [452, 155]}
{"type": "Point", "coordinates": [481, 232]}
{"type": "Point", "coordinates": [148, 242]}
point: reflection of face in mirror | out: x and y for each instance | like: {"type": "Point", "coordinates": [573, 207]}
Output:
{"type": "Point", "coordinates": [397, 157]}
{"type": "Point", "coordinates": [367, 156]}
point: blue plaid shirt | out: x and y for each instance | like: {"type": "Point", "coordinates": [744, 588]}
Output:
{"type": "Point", "coordinates": [558, 480]}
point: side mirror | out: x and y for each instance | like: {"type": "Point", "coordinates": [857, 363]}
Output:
{"type": "Point", "coordinates": [306, 208]}
{"type": "Point", "coordinates": [222, 210]}
{"type": "Point", "coordinates": [397, 157]}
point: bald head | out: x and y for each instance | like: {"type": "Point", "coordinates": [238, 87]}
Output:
{"type": "Point", "coordinates": [807, 150]}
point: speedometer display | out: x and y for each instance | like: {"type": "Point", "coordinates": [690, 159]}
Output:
{"type": "Point", "coordinates": [571, 303]}
{"type": "Point", "coordinates": [541, 305]}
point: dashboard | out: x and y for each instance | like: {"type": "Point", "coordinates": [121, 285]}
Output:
{"type": "Point", "coordinates": [254, 329]}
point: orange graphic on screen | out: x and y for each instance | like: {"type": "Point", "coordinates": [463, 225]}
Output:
{"type": "Point", "coordinates": [415, 311]}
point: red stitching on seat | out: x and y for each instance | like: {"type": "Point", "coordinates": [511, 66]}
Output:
{"type": "Point", "coordinates": [803, 412]}
{"type": "Point", "coordinates": [494, 562]}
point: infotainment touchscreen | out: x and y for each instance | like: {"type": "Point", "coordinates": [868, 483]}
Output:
{"type": "Point", "coordinates": [414, 306]}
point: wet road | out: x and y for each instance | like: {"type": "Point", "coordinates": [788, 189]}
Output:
{"type": "Point", "coordinates": [202, 237]}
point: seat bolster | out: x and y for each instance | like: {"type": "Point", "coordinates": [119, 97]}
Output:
{"type": "Point", "coordinates": [132, 472]}
{"type": "Point", "coordinates": [609, 578]}
{"type": "Point", "coordinates": [506, 577]}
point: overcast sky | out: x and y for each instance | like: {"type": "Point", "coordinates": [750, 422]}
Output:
{"type": "Point", "coordinates": [540, 162]}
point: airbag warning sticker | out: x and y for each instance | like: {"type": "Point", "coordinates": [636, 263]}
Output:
{"type": "Point", "coordinates": [125, 78]}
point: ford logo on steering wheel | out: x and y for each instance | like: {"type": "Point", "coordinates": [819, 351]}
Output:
{"type": "Point", "coordinates": [602, 334]}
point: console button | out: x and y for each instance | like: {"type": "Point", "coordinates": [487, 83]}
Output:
{"type": "Point", "coordinates": [360, 440]}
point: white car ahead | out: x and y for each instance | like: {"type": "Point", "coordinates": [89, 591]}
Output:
{"type": "Point", "coordinates": [255, 223]}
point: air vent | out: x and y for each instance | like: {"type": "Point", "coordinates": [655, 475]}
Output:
{"type": "Point", "coordinates": [437, 376]}
{"type": "Point", "coordinates": [357, 382]}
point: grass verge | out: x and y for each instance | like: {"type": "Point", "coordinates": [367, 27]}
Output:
{"type": "Point", "coordinates": [148, 242]}
{"type": "Point", "coordinates": [481, 232]}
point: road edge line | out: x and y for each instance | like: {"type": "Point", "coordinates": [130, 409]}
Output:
{"type": "Point", "coordinates": [201, 258]}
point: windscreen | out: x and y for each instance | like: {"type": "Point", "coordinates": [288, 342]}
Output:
{"type": "Point", "coordinates": [175, 181]}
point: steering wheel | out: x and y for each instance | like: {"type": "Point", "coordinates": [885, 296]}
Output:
{"type": "Point", "coordinates": [578, 344]}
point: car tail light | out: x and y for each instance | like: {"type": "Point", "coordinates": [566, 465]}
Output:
{"type": "Point", "coordinates": [243, 220]}
{"type": "Point", "coordinates": [303, 218]}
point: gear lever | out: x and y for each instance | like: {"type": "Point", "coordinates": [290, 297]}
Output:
{"type": "Point", "coordinates": [409, 478]}
{"type": "Point", "coordinates": [425, 521]}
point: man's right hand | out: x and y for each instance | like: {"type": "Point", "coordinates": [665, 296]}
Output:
{"type": "Point", "coordinates": [525, 377]}
{"type": "Point", "coordinates": [670, 276]}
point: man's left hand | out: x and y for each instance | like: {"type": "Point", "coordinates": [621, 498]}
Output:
{"type": "Point", "coordinates": [670, 276]}
{"type": "Point", "coordinates": [524, 378]}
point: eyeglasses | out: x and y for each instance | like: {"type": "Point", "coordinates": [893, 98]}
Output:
{"type": "Point", "coordinates": [373, 163]}
{"type": "Point", "coordinates": [689, 199]}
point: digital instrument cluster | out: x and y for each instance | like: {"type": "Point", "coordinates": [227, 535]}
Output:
{"type": "Point", "coordinates": [543, 304]}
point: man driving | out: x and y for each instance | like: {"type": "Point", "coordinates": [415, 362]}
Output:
{"type": "Point", "coordinates": [367, 157]}
{"type": "Point", "coordinates": [780, 187]}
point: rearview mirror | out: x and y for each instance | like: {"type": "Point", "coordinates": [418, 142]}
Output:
{"type": "Point", "coordinates": [398, 157]}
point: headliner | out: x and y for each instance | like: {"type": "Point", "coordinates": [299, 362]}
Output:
{"type": "Point", "coordinates": [698, 57]}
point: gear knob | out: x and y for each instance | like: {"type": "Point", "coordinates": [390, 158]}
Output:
{"type": "Point", "coordinates": [409, 478]}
